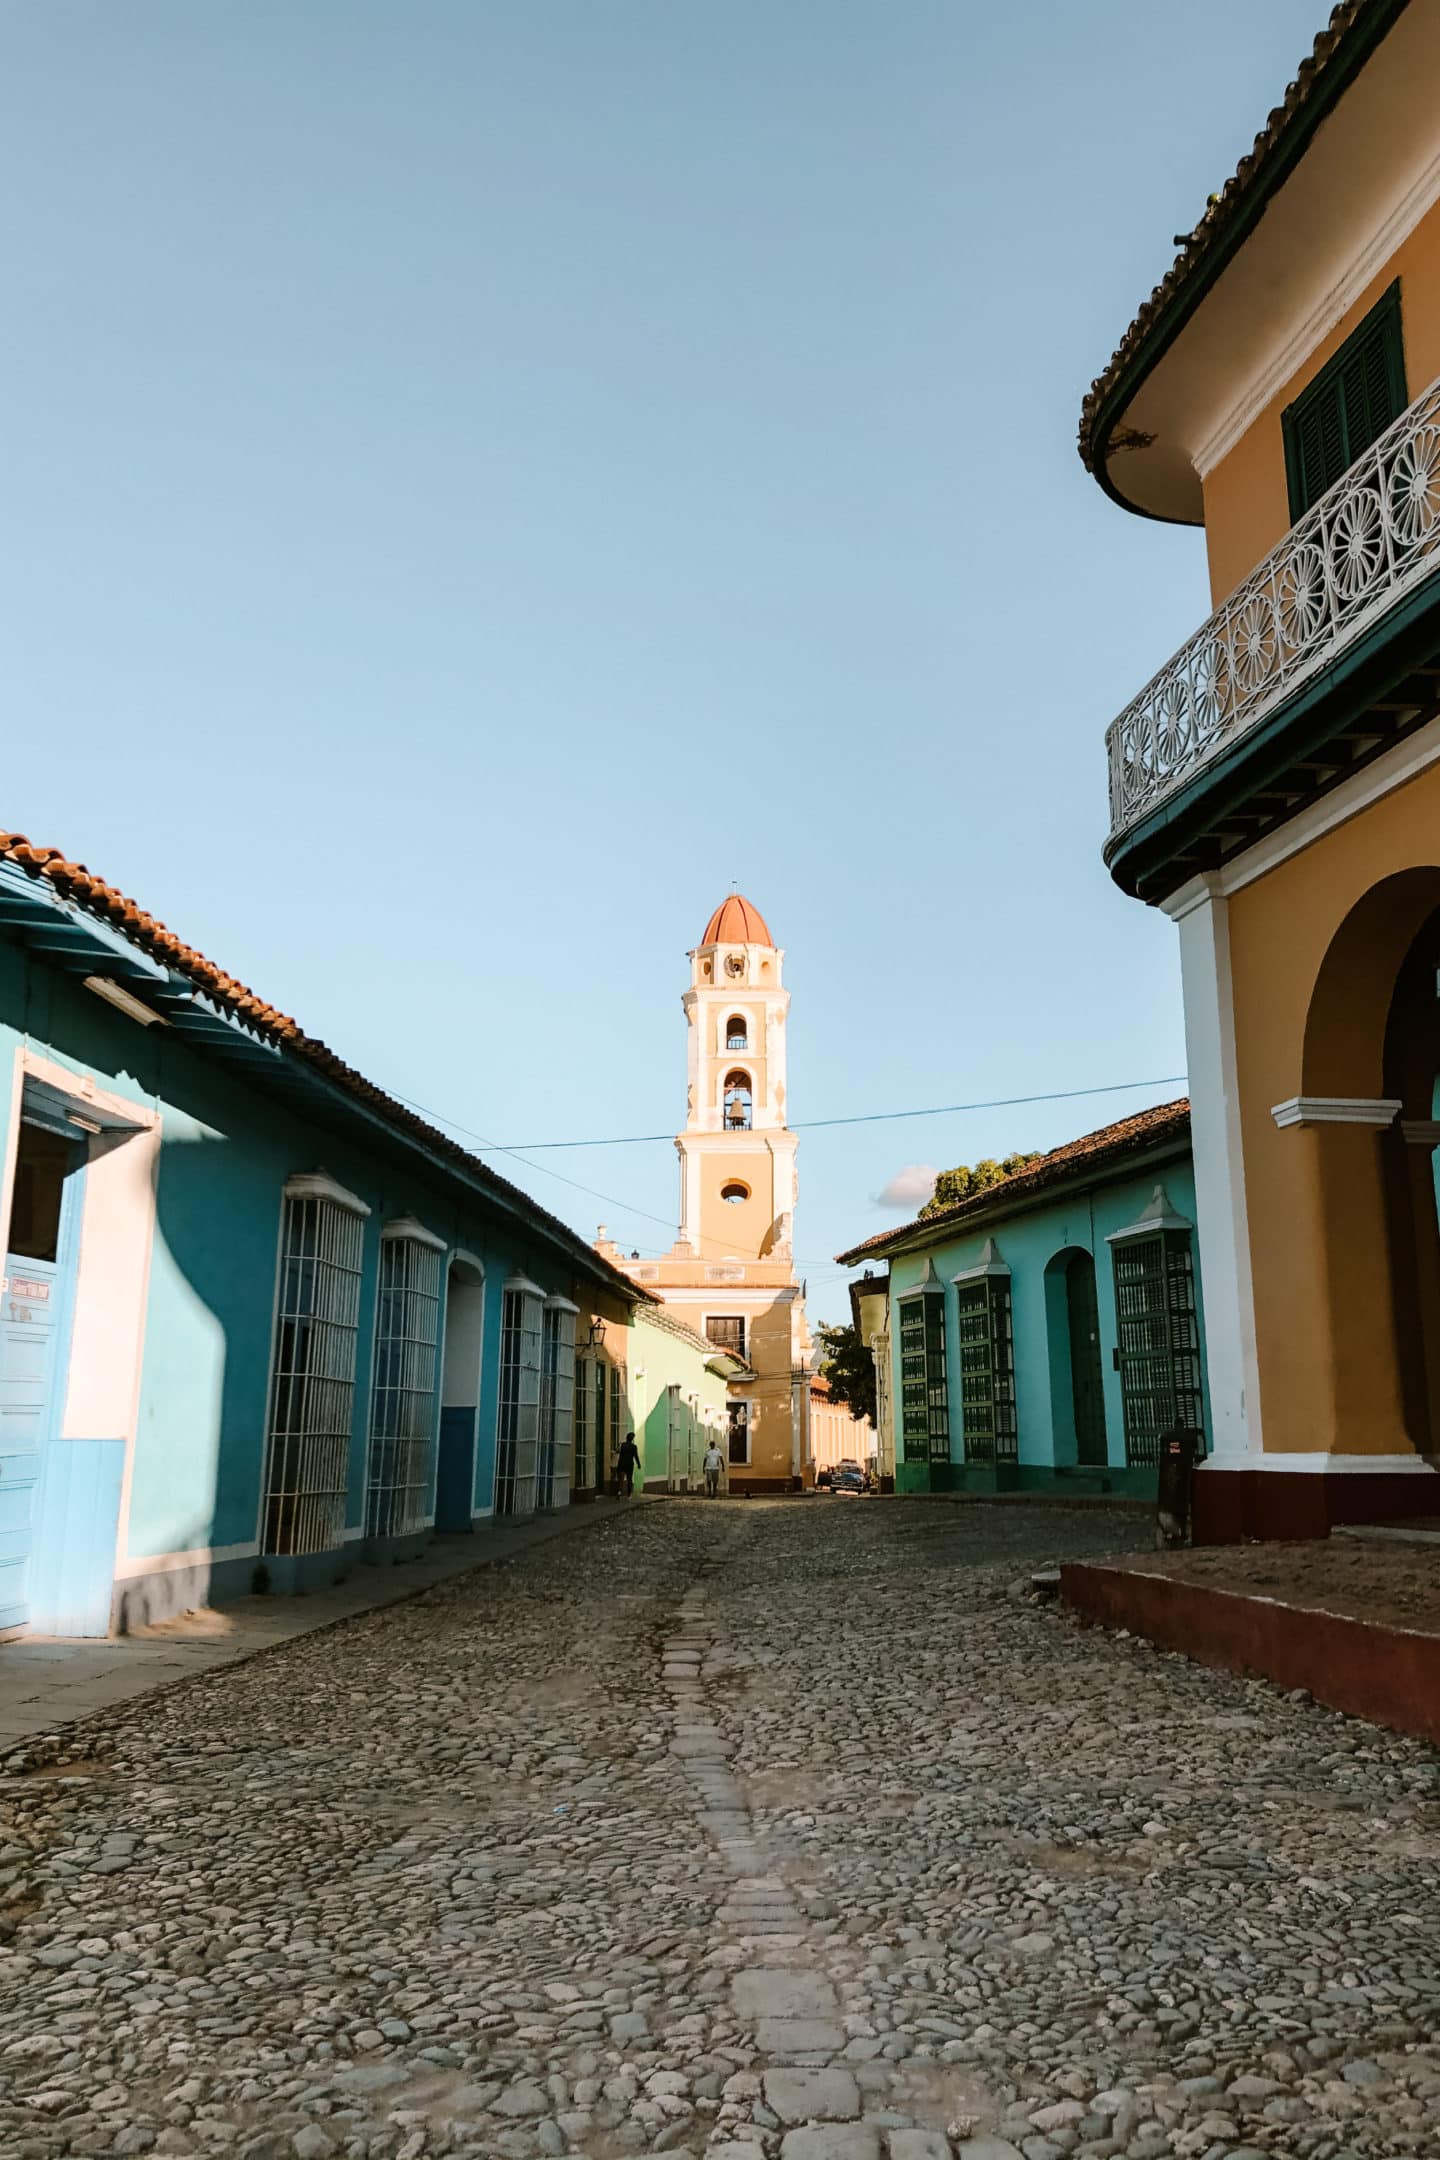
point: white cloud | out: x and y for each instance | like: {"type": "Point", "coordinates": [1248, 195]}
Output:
{"type": "Point", "coordinates": [909, 1188]}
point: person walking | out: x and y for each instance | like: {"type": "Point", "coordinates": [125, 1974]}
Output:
{"type": "Point", "coordinates": [627, 1462]}
{"type": "Point", "coordinates": [713, 1465]}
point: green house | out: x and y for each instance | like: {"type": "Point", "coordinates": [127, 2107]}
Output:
{"type": "Point", "coordinates": [1044, 1332]}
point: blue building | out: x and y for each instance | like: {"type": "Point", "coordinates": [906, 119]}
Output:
{"type": "Point", "coordinates": [1045, 1331]}
{"type": "Point", "coordinates": [257, 1319]}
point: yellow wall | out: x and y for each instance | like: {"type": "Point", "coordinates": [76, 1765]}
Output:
{"type": "Point", "coordinates": [739, 1226]}
{"type": "Point", "coordinates": [1247, 503]}
{"type": "Point", "coordinates": [1320, 1253]}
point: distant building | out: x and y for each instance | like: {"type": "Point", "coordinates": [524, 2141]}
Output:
{"type": "Point", "coordinates": [836, 1434]}
{"type": "Point", "coordinates": [1044, 1332]}
{"type": "Point", "coordinates": [257, 1319]}
{"type": "Point", "coordinates": [730, 1274]}
{"type": "Point", "coordinates": [1275, 787]}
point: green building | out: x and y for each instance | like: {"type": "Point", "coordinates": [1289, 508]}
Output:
{"type": "Point", "coordinates": [1044, 1332]}
{"type": "Point", "coordinates": [678, 1388]}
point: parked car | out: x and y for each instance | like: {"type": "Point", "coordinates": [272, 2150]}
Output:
{"type": "Point", "coordinates": [848, 1477]}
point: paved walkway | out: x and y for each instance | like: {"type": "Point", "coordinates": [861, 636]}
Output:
{"type": "Point", "coordinates": [745, 1831]}
{"type": "Point", "coordinates": [48, 1682]}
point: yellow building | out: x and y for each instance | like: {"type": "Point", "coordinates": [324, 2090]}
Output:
{"type": "Point", "coordinates": [1276, 787]}
{"type": "Point", "coordinates": [731, 1272]}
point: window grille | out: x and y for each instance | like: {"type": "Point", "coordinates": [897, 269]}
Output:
{"type": "Point", "coordinates": [1159, 1340]}
{"type": "Point", "coordinates": [312, 1389]}
{"type": "Point", "coordinates": [727, 1332]}
{"type": "Point", "coordinates": [987, 1370]}
{"type": "Point", "coordinates": [619, 1410]}
{"type": "Point", "coordinates": [924, 1391]}
{"type": "Point", "coordinates": [557, 1403]}
{"type": "Point", "coordinates": [602, 1397]}
{"type": "Point", "coordinates": [518, 1417]}
{"type": "Point", "coordinates": [739, 1433]}
{"type": "Point", "coordinates": [584, 1461]}
{"type": "Point", "coordinates": [1348, 405]}
{"type": "Point", "coordinates": [737, 1036]}
{"type": "Point", "coordinates": [402, 1394]}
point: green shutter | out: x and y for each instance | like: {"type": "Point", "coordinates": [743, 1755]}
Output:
{"type": "Point", "coordinates": [1351, 402]}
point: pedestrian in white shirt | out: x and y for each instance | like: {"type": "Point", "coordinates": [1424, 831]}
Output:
{"type": "Point", "coordinates": [714, 1464]}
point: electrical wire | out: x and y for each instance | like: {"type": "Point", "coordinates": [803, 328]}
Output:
{"type": "Point", "coordinates": [871, 1117]}
{"type": "Point", "coordinates": [877, 1117]}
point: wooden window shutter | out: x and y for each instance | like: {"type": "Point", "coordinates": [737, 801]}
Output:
{"type": "Point", "coordinates": [1353, 399]}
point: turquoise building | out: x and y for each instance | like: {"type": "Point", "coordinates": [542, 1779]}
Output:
{"type": "Point", "coordinates": [257, 1319]}
{"type": "Point", "coordinates": [1044, 1332]}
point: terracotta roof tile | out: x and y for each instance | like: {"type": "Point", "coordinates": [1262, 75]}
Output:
{"type": "Point", "coordinates": [108, 904]}
{"type": "Point", "coordinates": [1092, 1152]}
{"type": "Point", "coordinates": [737, 921]}
{"type": "Point", "coordinates": [1256, 174]}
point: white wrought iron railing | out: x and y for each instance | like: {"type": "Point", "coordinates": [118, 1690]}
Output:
{"type": "Point", "coordinates": [1368, 541]}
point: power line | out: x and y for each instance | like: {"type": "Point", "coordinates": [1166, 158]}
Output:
{"type": "Point", "coordinates": [871, 1117]}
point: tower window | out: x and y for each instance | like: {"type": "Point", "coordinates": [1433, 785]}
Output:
{"type": "Point", "coordinates": [738, 1104]}
{"type": "Point", "coordinates": [727, 1332]}
{"type": "Point", "coordinates": [737, 1036]}
{"type": "Point", "coordinates": [735, 1192]}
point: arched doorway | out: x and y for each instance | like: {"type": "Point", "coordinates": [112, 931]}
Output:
{"type": "Point", "coordinates": [1366, 1178]}
{"type": "Point", "coordinates": [1087, 1382]}
{"type": "Point", "coordinates": [455, 1499]}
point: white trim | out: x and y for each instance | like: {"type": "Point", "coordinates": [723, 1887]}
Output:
{"type": "Point", "coordinates": [1375, 1111]}
{"type": "Point", "coordinates": [1218, 1158]}
{"type": "Point", "coordinates": [1379, 778]}
{"type": "Point", "coordinates": [1363, 268]}
{"type": "Point", "coordinates": [466, 1258]}
{"type": "Point", "coordinates": [413, 1232]}
{"type": "Point", "coordinates": [319, 1185]}
{"type": "Point", "coordinates": [1421, 1131]}
{"type": "Point", "coordinates": [522, 1286]}
{"type": "Point", "coordinates": [556, 1303]}
{"type": "Point", "coordinates": [1318, 1465]}
{"type": "Point", "coordinates": [117, 995]}
{"type": "Point", "coordinates": [136, 1564]}
{"type": "Point", "coordinates": [1157, 1214]}
{"type": "Point", "coordinates": [989, 1263]}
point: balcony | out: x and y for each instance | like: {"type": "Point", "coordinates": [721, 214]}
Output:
{"type": "Point", "coordinates": [1353, 558]}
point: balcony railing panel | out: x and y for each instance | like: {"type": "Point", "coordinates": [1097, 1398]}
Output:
{"type": "Point", "coordinates": [1371, 538]}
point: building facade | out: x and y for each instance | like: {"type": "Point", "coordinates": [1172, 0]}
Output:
{"type": "Point", "coordinates": [681, 1390]}
{"type": "Point", "coordinates": [257, 1320]}
{"type": "Point", "coordinates": [1275, 788]}
{"type": "Point", "coordinates": [870, 1316]}
{"type": "Point", "coordinates": [836, 1434]}
{"type": "Point", "coordinates": [1043, 1333]}
{"type": "Point", "coordinates": [730, 1275]}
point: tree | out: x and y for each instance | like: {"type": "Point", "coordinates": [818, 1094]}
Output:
{"type": "Point", "coordinates": [849, 1368]}
{"type": "Point", "coordinates": [955, 1185]}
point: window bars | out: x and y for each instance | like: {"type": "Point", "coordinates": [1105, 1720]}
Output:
{"type": "Point", "coordinates": [557, 1403]}
{"type": "Point", "coordinates": [924, 1390]}
{"type": "Point", "coordinates": [402, 1395]}
{"type": "Point", "coordinates": [517, 1425]}
{"type": "Point", "coordinates": [583, 1459]}
{"type": "Point", "coordinates": [987, 1370]}
{"type": "Point", "coordinates": [312, 1387]}
{"type": "Point", "coordinates": [1159, 1340]}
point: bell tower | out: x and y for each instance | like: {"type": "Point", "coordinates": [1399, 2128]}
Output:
{"type": "Point", "coordinates": [737, 1155]}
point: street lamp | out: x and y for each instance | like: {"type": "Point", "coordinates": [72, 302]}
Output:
{"type": "Point", "coordinates": [596, 1338]}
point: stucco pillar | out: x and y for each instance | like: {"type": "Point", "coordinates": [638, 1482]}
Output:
{"type": "Point", "coordinates": [1202, 917]}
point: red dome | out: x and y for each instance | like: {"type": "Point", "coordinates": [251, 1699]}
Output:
{"type": "Point", "coordinates": [737, 921]}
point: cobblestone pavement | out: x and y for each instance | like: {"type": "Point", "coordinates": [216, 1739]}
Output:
{"type": "Point", "coordinates": [725, 1827]}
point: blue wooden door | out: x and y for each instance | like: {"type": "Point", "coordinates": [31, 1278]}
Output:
{"type": "Point", "coordinates": [34, 1335]}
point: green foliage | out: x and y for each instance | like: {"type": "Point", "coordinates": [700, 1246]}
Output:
{"type": "Point", "coordinates": [849, 1368]}
{"type": "Point", "coordinates": [955, 1185]}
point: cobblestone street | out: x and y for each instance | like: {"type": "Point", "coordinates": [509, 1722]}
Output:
{"type": "Point", "coordinates": [780, 1825]}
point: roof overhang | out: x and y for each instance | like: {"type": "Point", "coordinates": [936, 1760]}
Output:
{"type": "Point", "coordinates": [1333, 184]}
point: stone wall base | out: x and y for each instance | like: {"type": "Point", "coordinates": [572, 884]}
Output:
{"type": "Point", "coordinates": [1229, 1506]}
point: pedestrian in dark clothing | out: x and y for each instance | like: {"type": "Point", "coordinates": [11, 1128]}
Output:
{"type": "Point", "coordinates": [627, 1462]}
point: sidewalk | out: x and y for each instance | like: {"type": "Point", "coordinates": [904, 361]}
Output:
{"type": "Point", "coordinates": [47, 1682]}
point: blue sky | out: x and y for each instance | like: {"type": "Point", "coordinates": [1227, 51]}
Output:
{"type": "Point", "coordinates": [481, 475]}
